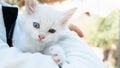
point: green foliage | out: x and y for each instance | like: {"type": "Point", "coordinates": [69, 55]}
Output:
{"type": "Point", "coordinates": [50, 1]}
{"type": "Point", "coordinates": [107, 31]}
{"type": "Point", "coordinates": [13, 2]}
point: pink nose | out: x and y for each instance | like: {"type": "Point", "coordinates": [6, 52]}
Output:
{"type": "Point", "coordinates": [41, 37]}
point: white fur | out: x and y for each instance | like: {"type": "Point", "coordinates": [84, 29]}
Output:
{"type": "Point", "coordinates": [48, 18]}
{"type": "Point", "coordinates": [29, 38]}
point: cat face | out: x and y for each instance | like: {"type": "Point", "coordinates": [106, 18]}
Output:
{"type": "Point", "coordinates": [43, 23]}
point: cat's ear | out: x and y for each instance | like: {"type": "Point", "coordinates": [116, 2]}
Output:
{"type": "Point", "coordinates": [69, 14]}
{"type": "Point", "coordinates": [30, 6]}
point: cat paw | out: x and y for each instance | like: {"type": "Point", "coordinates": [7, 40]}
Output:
{"type": "Point", "coordinates": [57, 54]}
{"type": "Point", "coordinates": [57, 58]}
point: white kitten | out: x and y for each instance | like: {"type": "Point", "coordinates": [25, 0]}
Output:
{"type": "Point", "coordinates": [39, 30]}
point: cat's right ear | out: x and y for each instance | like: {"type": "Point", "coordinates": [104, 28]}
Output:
{"type": "Point", "coordinates": [30, 6]}
{"type": "Point", "coordinates": [69, 14]}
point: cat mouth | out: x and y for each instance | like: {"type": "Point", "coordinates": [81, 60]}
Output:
{"type": "Point", "coordinates": [41, 41]}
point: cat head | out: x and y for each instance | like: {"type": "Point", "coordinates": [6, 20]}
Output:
{"type": "Point", "coordinates": [43, 23]}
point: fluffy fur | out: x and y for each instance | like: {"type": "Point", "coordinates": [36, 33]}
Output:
{"type": "Point", "coordinates": [48, 18]}
{"type": "Point", "coordinates": [40, 29]}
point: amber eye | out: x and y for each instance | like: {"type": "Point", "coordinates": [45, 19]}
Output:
{"type": "Point", "coordinates": [52, 30]}
{"type": "Point", "coordinates": [36, 25]}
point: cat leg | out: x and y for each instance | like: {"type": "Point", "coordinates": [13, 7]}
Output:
{"type": "Point", "coordinates": [58, 54]}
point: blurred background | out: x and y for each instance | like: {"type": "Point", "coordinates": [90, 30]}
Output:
{"type": "Point", "coordinates": [99, 21]}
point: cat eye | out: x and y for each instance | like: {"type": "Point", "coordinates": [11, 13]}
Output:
{"type": "Point", "coordinates": [52, 30]}
{"type": "Point", "coordinates": [36, 25]}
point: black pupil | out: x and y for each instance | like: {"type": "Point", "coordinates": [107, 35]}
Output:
{"type": "Point", "coordinates": [52, 30]}
{"type": "Point", "coordinates": [36, 25]}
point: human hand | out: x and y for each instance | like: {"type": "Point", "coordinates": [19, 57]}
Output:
{"type": "Point", "coordinates": [76, 29]}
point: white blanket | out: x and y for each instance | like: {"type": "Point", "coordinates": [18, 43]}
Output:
{"type": "Point", "coordinates": [78, 53]}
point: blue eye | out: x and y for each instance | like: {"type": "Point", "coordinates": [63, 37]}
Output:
{"type": "Point", "coordinates": [36, 25]}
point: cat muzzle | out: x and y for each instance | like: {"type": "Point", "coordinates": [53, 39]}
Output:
{"type": "Point", "coordinates": [41, 37]}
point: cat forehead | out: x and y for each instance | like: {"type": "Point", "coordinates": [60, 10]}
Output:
{"type": "Point", "coordinates": [45, 16]}
{"type": "Point", "coordinates": [47, 12]}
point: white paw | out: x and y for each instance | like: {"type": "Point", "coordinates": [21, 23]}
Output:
{"type": "Point", "coordinates": [57, 54]}
{"type": "Point", "coordinates": [57, 58]}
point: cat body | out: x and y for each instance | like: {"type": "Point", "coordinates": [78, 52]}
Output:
{"type": "Point", "coordinates": [38, 29]}
{"type": "Point", "coordinates": [28, 38]}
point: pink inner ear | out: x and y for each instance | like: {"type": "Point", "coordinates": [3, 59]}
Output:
{"type": "Point", "coordinates": [30, 5]}
{"type": "Point", "coordinates": [69, 14]}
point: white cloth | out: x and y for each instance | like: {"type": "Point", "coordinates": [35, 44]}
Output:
{"type": "Point", "coordinates": [13, 58]}
{"type": "Point", "coordinates": [2, 28]}
{"type": "Point", "coordinates": [78, 53]}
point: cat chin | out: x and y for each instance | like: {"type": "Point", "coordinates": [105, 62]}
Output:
{"type": "Point", "coordinates": [41, 41]}
{"type": "Point", "coordinates": [44, 42]}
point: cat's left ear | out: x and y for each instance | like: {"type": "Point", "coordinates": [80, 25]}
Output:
{"type": "Point", "coordinates": [69, 14]}
{"type": "Point", "coordinates": [30, 5]}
